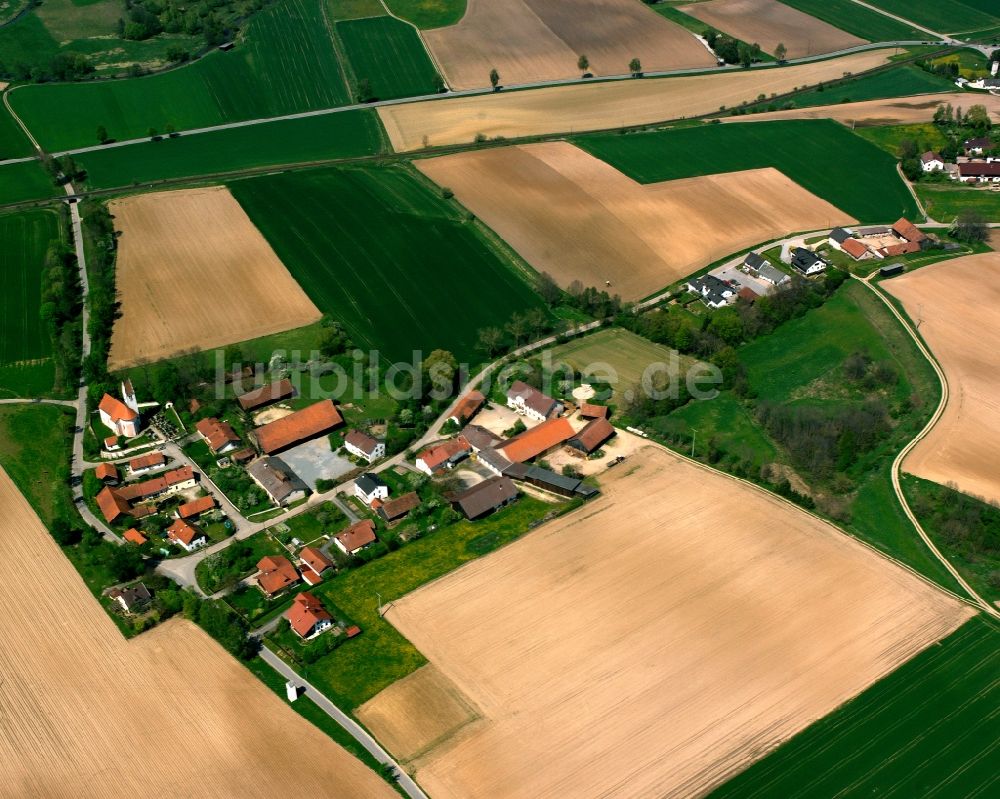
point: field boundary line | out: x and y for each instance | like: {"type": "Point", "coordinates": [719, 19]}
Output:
{"type": "Point", "coordinates": [903, 20]}
{"type": "Point", "coordinates": [898, 461]}
{"type": "Point", "coordinates": [423, 41]}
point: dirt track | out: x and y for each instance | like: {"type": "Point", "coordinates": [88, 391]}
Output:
{"type": "Point", "coordinates": [598, 106]}
{"type": "Point", "coordinates": [659, 639]}
{"type": "Point", "coordinates": [534, 40]}
{"type": "Point", "coordinates": [574, 216]}
{"type": "Point", "coordinates": [768, 22]}
{"type": "Point", "coordinates": [957, 305]}
{"type": "Point", "coordinates": [195, 273]}
{"type": "Point", "coordinates": [894, 111]}
{"type": "Point", "coordinates": [86, 713]}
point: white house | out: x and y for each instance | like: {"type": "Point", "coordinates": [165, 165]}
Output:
{"type": "Point", "coordinates": [931, 162]}
{"type": "Point", "coordinates": [361, 445]}
{"type": "Point", "coordinates": [369, 487]}
{"type": "Point", "coordinates": [122, 418]}
{"type": "Point", "coordinates": [807, 262]}
{"type": "Point", "coordinates": [715, 292]}
{"type": "Point", "coordinates": [186, 535]}
{"type": "Point", "coordinates": [529, 401]}
{"type": "Point", "coordinates": [443, 456]}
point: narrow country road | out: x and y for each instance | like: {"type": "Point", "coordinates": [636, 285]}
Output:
{"type": "Point", "coordinates": [356, 730]}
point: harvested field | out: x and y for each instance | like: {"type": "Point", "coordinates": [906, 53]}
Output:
{"type": "Point", "coordinates": [416, 713]}
{"type": "Point", "coordinates": [891, 111]}
{"type": "Point", "coordinates": [659, 639]}
{"type": "Point", "coordinates": [599, 106]}
{"type": "Point", "coordinates": [79, 699]}
{"type": "Point", "coordinates": [534, 40]}
{"type": "Point", "coordinates": [957, 304]}
{"type": "Point", "coordinates": [769, 22]}
{"type": "Point", "coordinates": [194, 273]}
{"type": "Point", "coordinates": [574, 216]}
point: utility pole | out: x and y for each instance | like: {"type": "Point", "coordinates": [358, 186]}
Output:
{"type": "Point", "coordinates": [379, 597]}
{"type": "Point", "coordinates": [694, 436]}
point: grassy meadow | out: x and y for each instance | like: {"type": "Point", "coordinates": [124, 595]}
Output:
{"type": "Point", "coordinates": [945, 201]}
{"type": "Point", "coordinates": [25, 181]}
{"type": "Point", "coordinates": [858, 20]}
{"type": "Point", "coordinates": [944, 16]}
{"type": "Point", "coordinates": [427, 14]}
{"type": "Point", "coordinates": [385, 255]}
{"type": "Point", "coordinates": [389, 55]}
{"type": "Point", "coordinates": [928, 730]}
{"type": "Point", "coordinates": [871, 191]}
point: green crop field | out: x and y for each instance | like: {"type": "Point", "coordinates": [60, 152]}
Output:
{"type": "Point", "coordinates": [890, 138]}
{"type": "Point", "coordinates": [344, 134]}
{"type": "Point", "coordinates": [944, 202]}
{"type": "Point", "coordinates": [926, 730]}
{"type": "Point", "coordinates": [896, 82]}
{"type": "Point", "coordinates": [871, 191]}
{"type": "Point", "coordinates": [25, 181]}
{"type": "Point", "coordinates": [943, 16]}
{"type": "Point", "coordinates": [284, 64]}
{"type": "Point", "coordinates": [13, 142]}
{"type": "Point", "coordinates": [389, 55]}
{"type": "Point", "coordinates": [862, 22]}
{"type": "Point", "coordinates": [24, 240]}
{"type": "Point", "coordinates": [353, 9]}
{"type": "Point", "coordinates": [384, 254]}
{"type": "Point", "coordinates": [427, 14]}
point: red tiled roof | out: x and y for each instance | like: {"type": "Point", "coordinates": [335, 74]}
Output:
{"type": "Point", "coordinates": [439, 454]}
{"type": "Point", "coordinates": [147, 461]}
{"type": "Point", "coordinates": [468, 405]}
{"type": "Point", "coordinates": [193, 508]}
{"type": "Point", "coordinates": [265, 395]}
{"type": "Point", "coordinates": [590, 411]}
{"type": "Point", "coordinates": [905, 229]}
{"type": "Point", "coordinates": [593, 435]}
{"type": "Point", "coordinates": [394, 508]}
{"type": "Point", "coordinates": [135, 536]}
{"type": "Point", "coordinates": [276, 573]}
{"type": "Point", "coordinates": [156, 485]}
{"type": "Point", "coordinates": [218, 434]}
{"type": "Point", "coordinates": [110, 441]}
{"type": "Point", "coordinates": [315, 559]}
{"type": "Point", "coordinates": [900, 249]}
{"type": "Point", "coordinates": [242, 455]}
{"type": "Point", "coordinates": [106, 471]}
{"type": "Point", "coordinates": [112, 504]}
{"type": "Point", "coordinates": [361, 440]}
{"type": "Point", "coordinates": [298, 427]}
{"type": "Point", "coordinates": [358, 535]}
{"type": "Point", "coordinates": [854, 248]}
{"type": "Point", "coordinates": [116, 409]}
{"type": "Point", "coordinates": [748, 294]}
{"type": "Point", "coordinates": [183, 532]}
{"type": "Point", "coordinates": [305, 613]}
{"type": "Point", "coordinates": [532, 443]}
{"type": "Point", "coordinates": [309, 576]}
{"type": "Point", "coordinates": [352, 631]}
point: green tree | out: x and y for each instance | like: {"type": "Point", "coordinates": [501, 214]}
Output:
{"type": "Point", "coordinates": [978, 118]}
{"type": "Point", "coordinates": [583, 63]}
{"type": "Point", "coordinates": [635, 67]}
{"type": "Point", "coordinates": [490, 339]}
{"type": "Point", "coordinates": [970, 227]}
{"type": "Point", "coordinates": [102, 134]}
{"type": "Point", "coordinates": [780, 52]}
{"type": "Point", "coordinates": [494, 78]}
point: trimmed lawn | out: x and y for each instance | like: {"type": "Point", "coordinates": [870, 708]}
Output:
{"type": "Point", "coordinates": [284, 63]}
{"type": "Point", "coordinates": [862, 22]}
{"type": "Point", "coordinates": [25, 181]}
{"type": "Point", "coordinates": [388, 54]}
{"type": "Point", "coordinates": [363, 666]}
{"type": "Point", "coordinates": [427, 14]}
{"type": "Point", "coordinates": [800, 149]}
{"type": "Point", "coordinates": [928, 730]}
{"type": "Point", "coordinates": [945, 201]}
{"type": "Point", "coordinates": [943, 16]}
{"type": "Point", "coordinates": [384, 254]}
{"type": "Point", "coordinates": [345, 134]}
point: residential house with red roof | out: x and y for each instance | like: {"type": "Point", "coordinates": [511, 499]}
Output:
{"type": "Point", "coordinates": [275, 573]}
{"type": "Point", "coordinates": [186, 535]}
{"type": "Point", "coordinates": [307, 616]}
{"type": "Point", "coordinates": [196, 507]}
{"type": "Point", "coordinates": [147, 463]}
{"type": "Point", "coordinates": [443, 456]}
{"type": "Point", "coordinates": [133, 536]}
{"type": "Point", "coordinates": [353, 539]}
{"type": "Point", "coordinates": [219, 435]}
{"type": "Point", "coordinates": [313, 562]}
{"type": "Point", "coordinates": [107, 473]}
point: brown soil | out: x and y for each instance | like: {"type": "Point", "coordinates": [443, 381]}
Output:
{"type": "Point", "coordinates": [894, 111]}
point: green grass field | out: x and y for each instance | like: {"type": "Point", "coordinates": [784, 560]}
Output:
{"type": "Point", "coordinates": [25, 181]}
{"type": "Point", "coordinates": [927, 730]}
{"type": "Point", "coordinates": [871, 192]}
{"type": "Point", "coordinates": [927, 135]}
{"type": "Point", "coordinates": [427, 14]}
{"type": "Point", "coordinates": [388, 54]}
{"type": "Point", "coordinates": [860, 21]}
{"type": "Point", "coordinates": [13, 142]}
{"type": "Point", "coordinates": [382, 253]}
{"type": "Point", "coordinates": [24, 239]}
{"type": "Point", "coordinates": [284, 64]}
{"type": "Point", "coordinates": [896, 82]}
{"type": "Point", "coordinates": [944, 16]}
{"type": "Point", "coordinates": [344, 134]}
{"type": "Point", "coordinates": [945, 201]}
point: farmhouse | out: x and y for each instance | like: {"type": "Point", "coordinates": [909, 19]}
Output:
{"type": "Point", "coordinates": [550, 481]}
{"type": "Point", "coordinates": [714, 292]}
{"type": "Point", "coordinates": [265, 395]}
{"type": "Point", "coordinates": [112, 505]}
{"type": "Point", "coordinates": [313, 562]}
{"type": "Point", "coordinates": [979, 171]}
{"type": "Point", "coordinates": [486, 497]}
{"type": "Point", "coordinates": [147, 463]}
{"type": "Point", "coordinates": [857, 250]}
{"type": "Point", "coordinates": [443, 456]}
{"type": "Point", "coordinates": [907, 231]}
{"type": "Point", "coordinates": [479, 437]}
{"type": "Point", "coordinates": [362, 445]}
{"type": "Point", "coordinates": [396, 509]}
{"type": "Point", "coordinates": [807, 262]}
{"type": "Point", "coordinates": [537, 441]}
{"type": "Point", "coordinates": [277, 480]}
{"type": "Point", "coordinates": [107, 474]}
{"type": "Point", "coordinates": [589, 410]}
{"type": "Point", "coordinates": [190, 510]}
{"type": "Point", "coordinates": [307, 616]}
{"type": "Point", "coordinates": [275, 573]}
{"type": "Point", "coordinates": [977, 146]}
{"type": "Point", "coordinates": [131, 598]}
{"type": "Point", "coordinates": [592, 436]}
{"type": "Point", "coordinates": [931, 162]}
{"type": "Point", "coordinates": [186, 535]}
{"type": "Point", "coordinates": [494, 460]}
{"type": "Point", "coordinates": [120, 417]}
{"type": "Point", "coordinates": [467, 407]}
{"type": "Point", "coordinates": [242, 456]}
{"type": "Point", "coordinates": [369, 487]}
{"type": "Point", "coordinates": [317, 419]}
{"type": "Point", "coordinates": [219, 436]}
{"type": "Point", "coordinates": [838, 236]}
{"type": "Point", "coordinates": [133, 536]}
{"type": "Point", "coordinates": [529, 401]}
{"type": "Point", "coordinates": [356, 537]}
{"type": "Point", "coordinates": [167, 483]}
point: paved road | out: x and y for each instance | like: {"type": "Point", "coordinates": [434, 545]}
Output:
{"type": "Point", "coordinates": [357, 732]}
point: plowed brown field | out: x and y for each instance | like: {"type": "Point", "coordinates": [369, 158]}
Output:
{"type": "Point", "coordinates": [86, 713]}
{"type": "Point", "coordinates": [574, 216]}
{"type": "Point", "coordinates": [957, 304]}
{"type": "Point", "coordinates": [658, 639]}
{"type": "Point", "coordinates": [769, 22]}
{"type": "Point", "coordinates": [195, 273]}
{"type": "Point", "coordinates": [894, 111]}
{"type": "Point", "coordinates": [599, 106]}
{"type": "Point", "coordinates": [533, 40]}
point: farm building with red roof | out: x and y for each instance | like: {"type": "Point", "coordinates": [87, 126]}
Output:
{"type": "Point", "coordinates": [298, 427]}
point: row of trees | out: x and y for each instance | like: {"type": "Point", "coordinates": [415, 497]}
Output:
{"type": "Point", "coordinates": [60, 313]}
{"type": "Point", "coordinates": [213, 20]}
